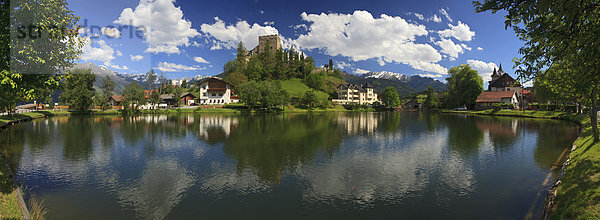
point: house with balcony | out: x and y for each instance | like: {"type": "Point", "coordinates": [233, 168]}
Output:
{"type": "Point", "coordinates": [215, 91]}
{"type": "Point", "coordinates": [352, 93]}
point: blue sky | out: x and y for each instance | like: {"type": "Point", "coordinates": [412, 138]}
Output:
{"type": "Point", "coordinates": [188, 38]}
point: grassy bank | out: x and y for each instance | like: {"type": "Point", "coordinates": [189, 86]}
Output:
{"type": "Point", "coordinates": [9, 206]}
{"type": "Point", "coordinates": [578, 195]}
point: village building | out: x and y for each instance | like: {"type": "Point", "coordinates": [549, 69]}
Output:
{"type": "Point", "coordinates": [487, 99]}
{"type": "Point", "coordinates": [352, 93]}
{"type": "Point", "coordinates": [115, 100]}
{"type": "Point", "coordinates": [188, 98]}
{"type": "Point", "coordinates": [266, 43]}
{"type": "Point", "coordinates": [501, 81]}
{"type": "Point", "coordinates": [215, 91]}
{"type": "Point", "coordinates": [413, 105]}
{"type": "Point", "coordinates": [503, 88]}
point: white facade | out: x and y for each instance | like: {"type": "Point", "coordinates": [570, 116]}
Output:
{"type": "Point", "coordinates": [350, 93]}
{"type": "Point", "coordinates": [215, 91]}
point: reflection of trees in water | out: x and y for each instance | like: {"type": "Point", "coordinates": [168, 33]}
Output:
{"type": "Point", "coordinates": [77, 136]}
{"type": "Point", "coordinates": [272, 143]}
{"type": "Point", "coordinates": [553, 138]}
{"type": "Point", "coordinates": [463, 134]}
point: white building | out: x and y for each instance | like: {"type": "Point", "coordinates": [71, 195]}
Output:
{"type": "Point", "coordinates": [351, 93]}
{"type": "Point", "coordinates": [215, 91]}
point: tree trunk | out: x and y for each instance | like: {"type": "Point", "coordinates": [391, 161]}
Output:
{"type": "Point", "coordinates": [594, 113]}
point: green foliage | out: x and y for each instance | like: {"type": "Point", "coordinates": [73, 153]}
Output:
{"type": "Point", "coordinates": [499, 106]}
{"type": "Point", "coordinates": [236, 78]}
{"type": "Point", "coordinates": [177, 92]}
{"type": "Point", "coordinates": [352, 106]}
{"type": "Point", "coordinates": [390, 97]}
{"type": "Point", "coordinates": [432, 101]}
{"type": "Point", "coordinates": [132, 95]}
{"type": "Point", "coordinates": [314, 99]}
{"type": "Point", "coordinates": [465, 85]}
{"type": "Point", "coordinates": [29, 63]}
{"type": "Point", "coordinates": [315, 81]}
{"type": "Point", "coordinates": [263, 94]}
{"type": "Point", "coordinates": [78, 89]}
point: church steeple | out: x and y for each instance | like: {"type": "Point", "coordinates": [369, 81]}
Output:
{"type": "Point", "coordinates": [495, 75]}
{"type": "Point", "coordinates": [500, 71]}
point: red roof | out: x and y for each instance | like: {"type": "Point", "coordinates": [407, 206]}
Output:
{"type": "Point", "coordinates": [117, 98]}
{"type": "Point", "coordinates": [494, 96]}
{"type": "Point", "coordinates": [525, 91]}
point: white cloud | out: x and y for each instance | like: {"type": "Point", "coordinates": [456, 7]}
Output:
{"type": "Point", "coordinates": [450, 48]}
{"type": "Point", "coordinates": [419, 16]}
{"type": "Point", "coordinates": [200, 60]}
{"type": "Point", "coordinates": [361, 71]}
{"type": "Point", "coordinates": [342, 65]}
{"type": "Point", "coordinates": [119, 53]}
{"type": "Point", "coordinates": [436, 19]}
{"type": "Point", "coordinates": [269, 23]}
{"type": "Point", "coordinates": [228, 36]}
{"type": "Point", "coordinates": [110, 32]}
{"type": "Point", "coordinates": [461, 32]}
{"type": "Point", "coordinates": [445, 14]}
{"type": "Point", "coordinates": [479, 48]}
{"type": "Point", "coordinates": [360, 36]}
{"type": "Point", "coordinates": [165, 28]}
{"type": "Point", "coordinates": [108, 64]}
{"type": "Point", "coordinates": [103, 53]}
{"type": "Point", "coordinates": [430, 75]}
{"type": "Point", "coordinates": [299, 26]}
{"type": "Point", "coordinates": [172, 67]}
{"type": "Point", "coordinates": [485, 69]}
{"type": "Point", "coordinates": [464, 46]}
{"type": "Point", "coordinates": [136, 57]}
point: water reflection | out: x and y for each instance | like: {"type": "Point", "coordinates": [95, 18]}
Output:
{"type": "Point", "coordinates": [147, 166]}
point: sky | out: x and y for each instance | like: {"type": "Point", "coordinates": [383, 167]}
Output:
{"type": "Point", "coordinates": [187, 38]}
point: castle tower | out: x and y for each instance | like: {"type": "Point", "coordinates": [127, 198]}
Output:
{"type": "Point", "coordinates": [500, 71]}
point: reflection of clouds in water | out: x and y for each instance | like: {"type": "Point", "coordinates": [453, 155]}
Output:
{"type": "Point", "coordinates": [160, 188]}
{"type": "Point", "coordinates": [388, 173]}
{"type": "Point", "coordinates": [225, 177]}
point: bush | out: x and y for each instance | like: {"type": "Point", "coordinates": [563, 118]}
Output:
{"type": "Point", "coordinates": [499, 106]}
{"type": "Point", "coordinates": [352, 106]}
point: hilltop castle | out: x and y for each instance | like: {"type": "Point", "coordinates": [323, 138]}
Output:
{"type": "Point", "coordinates": [272, 41]}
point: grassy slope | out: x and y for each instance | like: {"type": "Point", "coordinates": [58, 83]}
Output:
{"type": "Point", "coordinates": [296, 88]}
{"type": "Point", "coordinates": [579, 192]}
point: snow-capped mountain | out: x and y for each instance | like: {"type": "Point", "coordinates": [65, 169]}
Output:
{"type": "Point", "coordinates": [387, 75]}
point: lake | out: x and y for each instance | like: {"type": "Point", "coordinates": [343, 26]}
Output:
{"type": "Point", "coordinates": [289, 166]}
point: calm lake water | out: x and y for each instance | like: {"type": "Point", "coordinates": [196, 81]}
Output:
{"type": "Point", "coordinates": [288, 166]}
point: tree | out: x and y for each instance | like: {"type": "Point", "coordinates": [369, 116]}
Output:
{"type": "Point", "coordinates": [132, 95]}
{"type": "Point", "coordinates": [390, 97]}
{"type": "Point", "coordinates": [184, 84]}
{"type": "Point", "coordinates": [106, 88]}
{"type": "Point", "coordinates": [150, 78]}
{"type": "Point", "coordinates": [177, 92]}
{"type": "Point", "coordinates": [315, 81]}
{"type": "Point", "coordinates": [557, 31]}
{"type": "Point", "coordinates": [310, 99]}
{"type": "Point", "coordinates": [30, 60]}
{"type": "Point", "coordinates": [464, 85]}
{"type": "Point", "coordinates": [249, 93]}
{"type": "Point", "coordinates": [432, 101]}
{"type": "Point", "coordinates": [236, 78]}
{"type": "Point", "coordinates": [330, 67]}
{"type": "Point", "coordinates": [78, 89]}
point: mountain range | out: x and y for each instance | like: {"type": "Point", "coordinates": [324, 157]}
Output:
{"type": "Point", "coordinates": [403, 83]}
